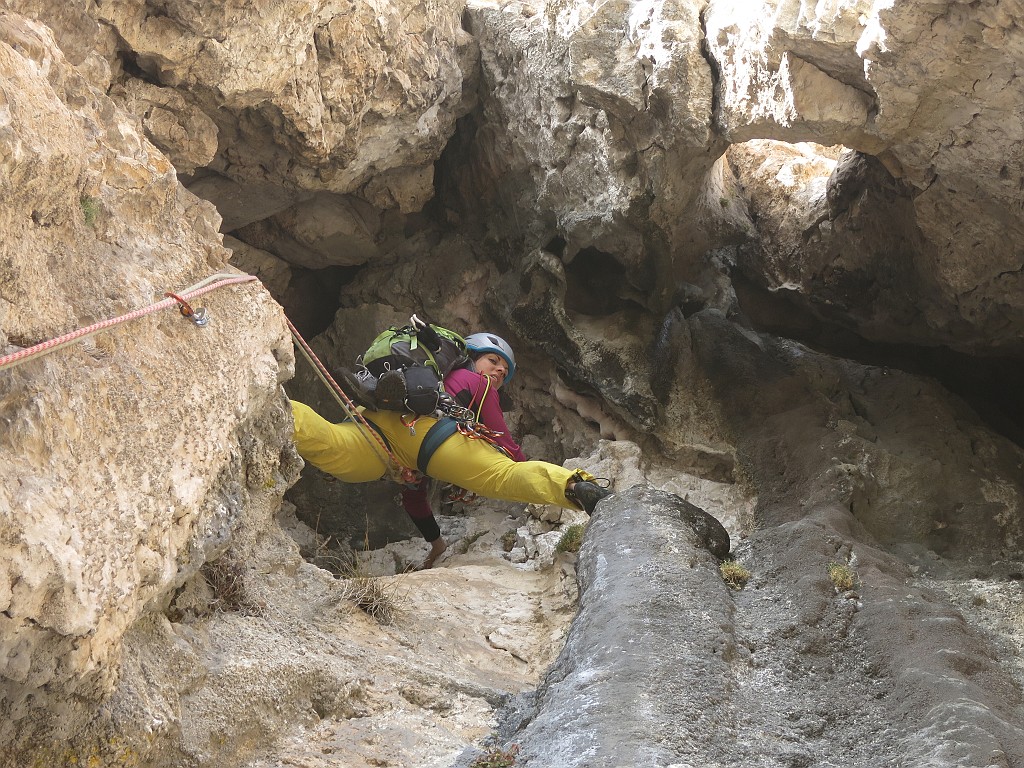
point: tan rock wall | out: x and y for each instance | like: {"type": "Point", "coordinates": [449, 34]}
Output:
{"type": "Point", "coordinates": [310, 95]}
{"type": "Point", "coordinates": [131, 457]}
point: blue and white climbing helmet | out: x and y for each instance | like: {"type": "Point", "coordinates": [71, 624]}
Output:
{"type": "Point", "coordinates": [478, 343]}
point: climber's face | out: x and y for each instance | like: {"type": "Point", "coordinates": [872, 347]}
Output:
{"type": "Point", "coordinates": [493, 366]}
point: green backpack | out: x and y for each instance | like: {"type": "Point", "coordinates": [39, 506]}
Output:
{"type": "Point", "coordinates": [409, 364]}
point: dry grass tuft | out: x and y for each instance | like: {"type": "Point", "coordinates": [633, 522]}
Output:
{"type": "Point", "coordinates": [226, 578]}
{"type": "Point", "coordinates": [734, 574]}
{"type": "Point", "coordinates": [373, 596]}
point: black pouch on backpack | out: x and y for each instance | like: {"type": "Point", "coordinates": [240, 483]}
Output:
{"type": "Point", "coordinates": [422, 390]}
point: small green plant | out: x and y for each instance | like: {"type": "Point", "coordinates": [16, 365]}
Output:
{"type": "Point", "coordinates": [843, 576]}
{"type": "Point", "coordinates": [508, 540]}
{"type": "Point", "coordinates": [90, 208]}
{"type": "Point", "coordinates": [497, 758]}
{"type": "Point", "coordinates": [734, 574]}
{"type": "Point", "coordinates": [571, 539]}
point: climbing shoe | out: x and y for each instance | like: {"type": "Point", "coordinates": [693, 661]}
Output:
{"type": "Point", "coordinates": [391, 391]}
{"type": "Point", "coordinates": [585, 494]}
{"type": "Point", "coordinates": [360, 387]}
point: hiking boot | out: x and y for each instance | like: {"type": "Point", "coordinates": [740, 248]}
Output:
{"type": "Point", "coordinates": [360, 387]}
{"type": "Point", "coordinates": [586, 494]}
{"type": "Point", "coordinates": [391, 391]}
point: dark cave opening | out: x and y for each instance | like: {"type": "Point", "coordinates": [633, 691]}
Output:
{"type": "Point", "coordinates": [139, 67]}
{"type": "Point", "coordinates": [556, 246]}
{"type": "Point", "coordinates": [991, 385]}
{"type": "Point", "coordinates": [594, 282]}
{"type": "Point", "coordinates": [312, 297]}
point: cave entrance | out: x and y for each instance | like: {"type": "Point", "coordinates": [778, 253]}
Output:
{"type": "Point", "coordinates": [858, 264]}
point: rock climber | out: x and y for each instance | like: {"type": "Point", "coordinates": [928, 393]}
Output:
{"type": "Point", "coordinates": [498, 471]}
{"type": "Point", "coordinates": [476, 388]}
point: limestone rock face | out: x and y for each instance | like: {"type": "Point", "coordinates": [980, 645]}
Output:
{"type": "Point", "coordinates": [75, 31]}
{"type": "Point", "coordinates": [600, 117]}
{"type": "Point", "coordinates": [179, 129]}
{"type": "Point", "coordinates": [859, 251]}
{"type": "Point", "coordinates": [128, 459]}
{"type": "Point", "coordinates": [930, 91]}
{"type": "Point", "coordinates": [306, 96]}
{"type": "Point", "coordinates": [324, 231]}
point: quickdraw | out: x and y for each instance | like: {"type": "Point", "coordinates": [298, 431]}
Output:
{"type": "Point", "coordinates": [411, 426]}
{"type": "Point", "coordinates": [475, 430]}
{"type": "Point", "coordinates": [197, 316]}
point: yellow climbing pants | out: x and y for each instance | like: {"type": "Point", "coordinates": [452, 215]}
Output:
{"type": "Point", "coordinates": [345, 451]}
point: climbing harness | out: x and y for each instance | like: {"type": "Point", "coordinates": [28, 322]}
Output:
{"type": "Point", "coordinates": [199, 316]}
{"type": "Point", "coordinates": [451, 418]}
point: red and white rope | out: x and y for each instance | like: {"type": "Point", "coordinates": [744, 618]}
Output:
{"type": "Point", "coordinates": [395, 468]}
{"type": "Point", "coordinates": [209, 284]}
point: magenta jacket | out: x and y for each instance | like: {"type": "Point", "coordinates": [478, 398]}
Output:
{"type": "Point", "coordinates": [464, 380]}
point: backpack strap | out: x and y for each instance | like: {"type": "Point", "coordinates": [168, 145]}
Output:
{"type": "Point", "coordinates": [437, 434]}
{"type": "Point", "coordinates": [464, 397]}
